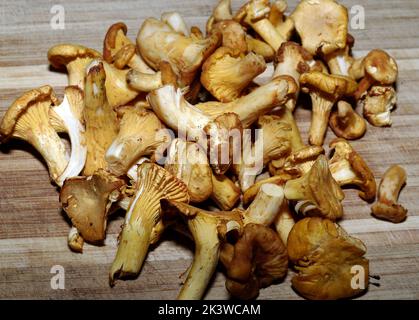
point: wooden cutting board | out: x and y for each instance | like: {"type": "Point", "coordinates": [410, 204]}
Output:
{"type": "Point", "coordinates": [33, 230]}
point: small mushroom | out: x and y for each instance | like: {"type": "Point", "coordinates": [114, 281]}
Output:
{"type": "Point", "coordinates": [29, 119]}
{"type": "Point", "coordinates": [172, 108]}
{"type": "Point", "coordinates": [377, 105]}
{"type": "Point", "coordinates": [324, 255]}
{"type": "Point", "coordinates": [322, 25]}
{"type": "Point", "coordinates": [158, 42]}
{"type": "Point", "coordinates": [292, 60]}
{"type": "Point", "coordinates": [140, 134]}
{"type": "Point", "coordinates": [317, 191]}
{"type": "Point", "coordinates": [225, 193]}
{"type": "Point", "coordinates": [75, 58]}
{"type": "Point", "coordinates": [120, 51]}
{"type": "Point", "coordinates": [346, 123]}
{"type": "Point", "coordinates": [75, 240]}
{"type": "Point", "coordinates": [348, 168]}
{"type": "Point", "coordinates": [255, 261]}
{"type": "Point", "coordinates": [376, 68]}
{"type": "Point", "coordinates": [255, 14]}
{"type": "Point", "coordinates": [225, 74]}
{"type": "Point", "coordinates": [387, 206]}
{"type": "Point", "coordinates": [324, 91]}
{"type": "Point", "coordinates": [258, 102]}
{"type": "Point", "coordinates": [70, 114]}
{"type": "Point", "coordinates": [143, 221]}
{"type": "Point", "coordinates": [209, 229]}
{"type": "Point", "coordinates": [87, 201]}
{"type": "Point", "coordinates": [189, 163]}
{"type": "Point", "coordinates": [100, 120]}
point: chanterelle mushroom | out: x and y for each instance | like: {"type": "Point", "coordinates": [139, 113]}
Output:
{"type": "Point", "coordinates": [143, 221]}
{"type": "Point", "coordinates": [376, 68]}
{"type": "Point", "coordinates": [325, 256]}
{"type": "Point", "coordinates": [157, 41]}
{"type": "Point", "coordinates": [346, 123]}
{"type": "Point", "coordinates": [209, 229]}
{"type": "Point", "coordinates": [172, 108]}
{"type": "Point", "coordinates": [292, 60]}
{"type": "Point", "coordinates": [75, 59]}
{"type": "Point", "coordinates": [140, 134]}
{"type": "Point", "coordinates": [226, 73]}
{"type": "Point", "coordinates": [377, 104]}
{"type": "Point", "coordinates": [189, 163]}
{"type": "Point", "coordinates": [100, 119]}
{"type": "Point", "coordinates": [255, 14]}
{"type": "Point", "coordinates": [29, 119]}
{"type": "Point", "coordinates": [70, 114]}
{"type": "Point", "coordinates": [348, 168]}
{"type": "Point", "coordinates": [318, 192]}
{"type": "Point", "coordinates": [87, 201]}
{"type": "Point", "coordinates": [284, 25]}
{"type": "Point", "coordinates": [387, 207]}
{"type": "Point", "coordinates": [255, 261]}
{"type": "Point", "coordinates": [322, 25]}
{"type": "Point", "coordinates": [225, 193]}
{"type": "Point", "coordinates": [120, 51]}
{"type": "Point", "coordinates": [324, 91]}
{"type": "Point", "coordinates": [258, 102]}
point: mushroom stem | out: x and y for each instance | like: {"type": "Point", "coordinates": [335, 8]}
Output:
{"type": "Point", "coordinates": [265, 207]}
{"type": "Point", "coordinates": [144, 82]}
{"type": "Point", "coordinates": [320, 119]}
{"type": "Point", "coordinates": [133, 245]}
{"type": "Point", "coordinates": [207, 248]}
{"type": "Point", "coordinates": [284, 221]}
{"type": "Point", "coordinates": [268, 33]}
{"type": "Point", "coordinates": [224, 192]}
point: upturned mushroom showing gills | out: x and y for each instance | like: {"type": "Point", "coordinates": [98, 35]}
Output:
{"type": "Point", "coordinates": [348, 168]}
{"type": "Point", "coordinates": [317, 191]}
{"type": "Point", "coordinates": [209, 230]}
{"type": "Point", "coordinates": [258, 102]}
{"type": "Point", "coordinates": [188, 162]}
{"type": "Point", "coordinates": [325, 257]}
{"type": "Point", "coordinates": [172, 108]}
{"type": "Point", "coordinates": [226, 73]}
{"type": "Point", "coordinates": [100, 119]}
{"type": "Point", "coordinates": [87, 201]}
{"type": "Point", "coordinates": [255, 261]}
{"type": "Point", "coordinates": [70, 114]}
{"type": "Point", "coordinates": [75, 58]}
{"type": "Point", "coordinates": [29, 119]}
{"type": "Point", "coordinates": [387, 206]}
{"type": "Point", "coordinates": [157, 41]}
{"type": "Point", "coordinates": [325, 90]}
{"type": "Point", "coordinates": [322, 25]}
{"type": "Point", "coordinates": [140, 134]}
{"type": "Point", "coordinates": [143, 221]}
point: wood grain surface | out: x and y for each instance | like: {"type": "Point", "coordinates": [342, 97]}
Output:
{"type": "Point", "coordinates": [33, 229]}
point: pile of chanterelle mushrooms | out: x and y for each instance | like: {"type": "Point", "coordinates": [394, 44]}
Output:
{"type": "Point", "coordinates": [120, 105]}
